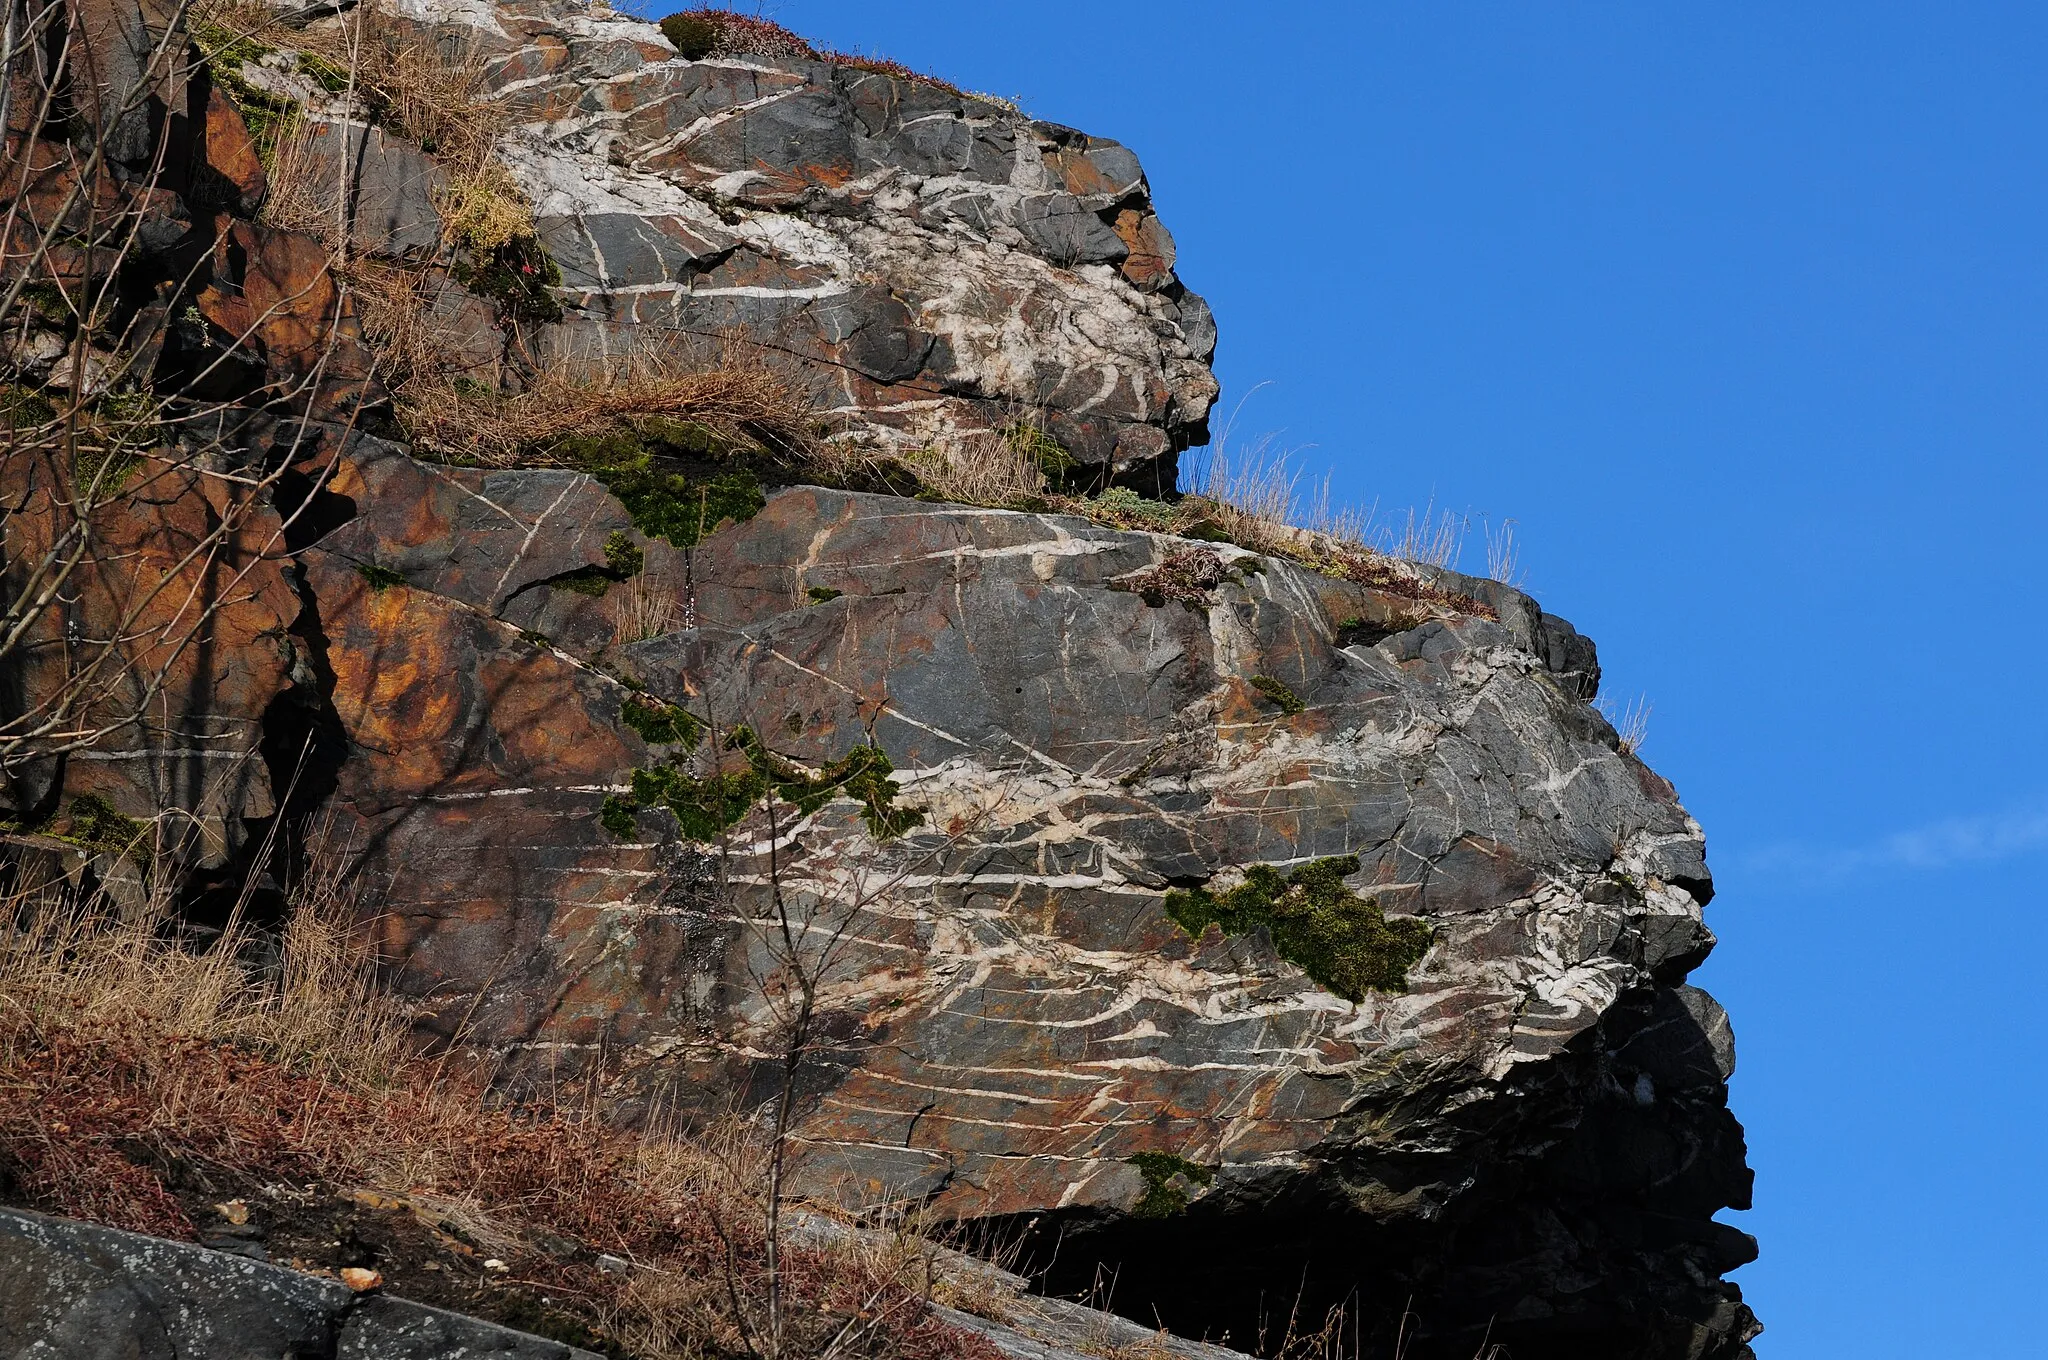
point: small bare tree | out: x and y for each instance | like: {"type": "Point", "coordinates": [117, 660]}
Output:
{"type": "Point", "coordinates": [803, 905]}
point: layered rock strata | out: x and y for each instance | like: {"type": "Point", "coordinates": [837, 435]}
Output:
{"type": "Point", "coordinates": [935, 262]}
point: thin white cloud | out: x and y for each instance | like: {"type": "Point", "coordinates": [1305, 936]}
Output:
{"type": "Point", "coordinates": [1945, 844]}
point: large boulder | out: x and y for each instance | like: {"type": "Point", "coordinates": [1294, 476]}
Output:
{"type": "Point", "coordinates": [1017, 1026]}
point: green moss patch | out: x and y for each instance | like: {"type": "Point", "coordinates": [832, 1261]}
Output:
{"type": "Point", "coordinates": [663, 503]}
{"type": "Point", "coordinates": [1122, 508]}
{"type": "Point", "coordinates": [823, 594]}
{"type": "Point", "coordinates": [591, 581]}
{"type": "Point", "coordinates": [862, 774]}
{"type": "Point", "coordinates": [704, 808]}
{"type": "Point", "coordinates": [694, 36]}
{"type": "Point", "coordinates": [707, 806]}
{"type": "Point", "coordinates": [1343, 941]}
{"type": "Point", "coordinates": [96, 825]}
{"type": "Point", "coordinates": [661, 724]}
{"type": "Point", "coordinates": [619, 815]}
{"type": "Point", "coordinates": [1048, 453]}
{"type": "Point", "coordinates": [380, 578]}
{"type": "Point", "coordinates": [622, 556]}
{"type": "Point", "coordinates": [23, 409]}
{"type": "Point", "coordinates": [1168, 1182]}
{"type": "Point", "coordinates": [1290, 702]}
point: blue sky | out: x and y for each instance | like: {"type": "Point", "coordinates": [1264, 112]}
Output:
{"type": "Point", "coordinates": [1740, 311]}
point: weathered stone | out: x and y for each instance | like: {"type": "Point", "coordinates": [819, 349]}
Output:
{"type": "Point", "coordinates": [180, 609]}
{"type": "Point", "coordinates": [935, 261]}
{"type": "Point", "coordinates": [74, 1291]}
{"type": "Point", "coordinates": [1530, 1133]}
{"type": "Point", "coordinates": [273, 302]}
{"type": "Point", "coordinates": [231, 154]}
{"type": "Point", "coordinates": [1150, 251]}
{"type": "Point", "coordinates": [386, 187]}
{"type": "Point", "coordinates": [600, 251]}
{"type": "Point", "coordinates": [476, 536]}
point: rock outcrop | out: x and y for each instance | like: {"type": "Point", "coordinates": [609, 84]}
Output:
{"type": "Point", "coordinates": [76, 1291]}
{"type": "Point", "coordinates": [79, 1292]}
{"type": "Point", "coordinates": [1428, 1045]}
{"type": "Point", "coordinates": [936, 261]}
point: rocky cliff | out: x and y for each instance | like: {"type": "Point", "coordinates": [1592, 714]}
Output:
{"type": "Point", "coordinates": [1246, 923]}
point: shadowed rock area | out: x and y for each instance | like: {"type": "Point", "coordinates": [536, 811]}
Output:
{"type": "Point", "coordinates": [1516, 1130]}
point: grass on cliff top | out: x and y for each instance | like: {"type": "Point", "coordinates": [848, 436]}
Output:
{"type": "Point", "coordinates": [221, 1092]}
{"type": "Point", "coordinates": [683, 441]}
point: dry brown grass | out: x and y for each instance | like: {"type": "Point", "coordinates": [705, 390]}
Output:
{"type": "Point", "coordinates": [736, 396]}
{"type": "Point", "coordinates": [983, 467]}
{"type": "Point", "coordinates": [293, 200]}
{"type": "Point", "coordinates": [129, 1058]}
{"type": "Point", "coordinates": [391, 306]}
{"type": "Point", "coordinates": [1503, 554]}
{"type": "Point", "coordinates": [430, 91]}
{"type": "Point", "coordinates": [1631, 721]}
{"type": "Point", "coordinates": [1258, 496]}
{"type": "Point", "coordinates": [640, 608]}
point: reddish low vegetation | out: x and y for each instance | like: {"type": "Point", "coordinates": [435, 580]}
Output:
{"type": "Point", "coordinates": [191, 1095]}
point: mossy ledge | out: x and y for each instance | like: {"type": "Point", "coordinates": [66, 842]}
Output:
{"type": "Point", "coordinates": [1343, 941]}
{"type": "Point", "coordinates": [633, 461]}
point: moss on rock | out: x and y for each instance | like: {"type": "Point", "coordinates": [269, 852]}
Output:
{"type": "Point", "coordinates": [1168, 1183]}
{"type": "Point", "coordinates": [663, 503]}
{"type": "Point", "coordinates": [706, 806]}
{"type": "Point", "coordinates": [1343, 941]}
{"type": "Point", "coordinates": [661, 724]}
{"type": "Point", "coordinates": [1290, 702]}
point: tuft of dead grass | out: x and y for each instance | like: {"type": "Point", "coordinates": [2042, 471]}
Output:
{"type": "Point", "coordinates": [1255, 499]}
{"type": "Point", "coordinates": [136, 1064]}
{"type": "Point", "coordinates": [736, 397]}
{"type": "Point", "coordinates": [293, 200]}
{"type": "Point", "coordinates": [640, 609]}
{"type": "Point", "coordinates": [1631, 721]}
{"type": "Point", "coordinates": [393, 307]}
{"type": "Point", "coordinates": [984, 467]}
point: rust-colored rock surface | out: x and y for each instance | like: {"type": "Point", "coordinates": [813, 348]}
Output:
{"type": "Point", "coordinates": [170, 637]}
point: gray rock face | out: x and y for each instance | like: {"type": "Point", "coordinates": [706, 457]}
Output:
{"type": "Point", "coordinates": [76, 1291]}
{"type": "Point", "coordinates": [73, 1291]}
{"type": "Point", "coordinates": [386, 187]}
{"type": "Point", "coordinates": [1017, 1016]}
